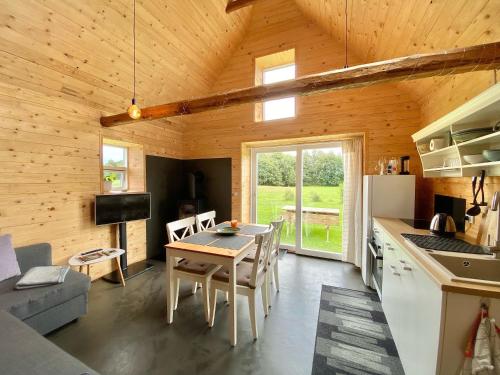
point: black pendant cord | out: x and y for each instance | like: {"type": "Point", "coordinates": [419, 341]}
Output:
{"type": "Point", "coordinates": [346, 34]}
{"type": "Point", "coordinates": [133, 99]}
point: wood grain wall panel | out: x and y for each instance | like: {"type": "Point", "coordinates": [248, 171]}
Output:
{"type": "Point", "coordinates": [385, 113]}
{"type": "Point", "coordinates": [63, 64]}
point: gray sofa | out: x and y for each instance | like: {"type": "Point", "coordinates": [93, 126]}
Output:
{"type": "Point", "coordinates": [22, 349]}
{"type": "Point", "coordinates": [46, 308]}
{"type": "Point", "coordinates": [24, 352]}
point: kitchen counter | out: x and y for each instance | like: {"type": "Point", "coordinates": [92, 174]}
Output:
{"type": "Point", "coordinates": [394, 228]}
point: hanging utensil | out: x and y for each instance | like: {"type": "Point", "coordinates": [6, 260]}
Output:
{"type": "Point", "coordinates": [481, 188]}
{"type": "Point", "coordinates": [475, 209]}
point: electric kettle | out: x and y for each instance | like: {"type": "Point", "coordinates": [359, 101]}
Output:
{"type": "Point", "coordinates": [443, 225]}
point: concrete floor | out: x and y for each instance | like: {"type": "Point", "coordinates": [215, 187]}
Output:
{"type": "Point", "coordinates": [125, 331]}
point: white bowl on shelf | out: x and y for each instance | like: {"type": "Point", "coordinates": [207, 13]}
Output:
{"type": "Point", "coordinates": [475, 159]}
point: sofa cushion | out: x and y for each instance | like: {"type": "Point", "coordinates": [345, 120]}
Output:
{"type": "Point", "coordinates": [28, 302]}
{"type": "Point", "coordinates": [8, 261]}
{"type": "Point", "coordinates": [23, 351]}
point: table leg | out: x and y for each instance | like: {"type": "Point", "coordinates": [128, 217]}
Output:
{"type": "Point", "coordinates": [170, 285]}
{"type": "Point", "coordinates": [233, 318]}
{"type": "Point", "coordinates": [119, 270]}
{"type": "Point", "coordinates": [80, 269]}
{"type": "Point", "coordinates": [88, 269]}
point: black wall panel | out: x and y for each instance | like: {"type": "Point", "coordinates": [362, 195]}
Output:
{"type": "Point", "coordinates": [166, 180]}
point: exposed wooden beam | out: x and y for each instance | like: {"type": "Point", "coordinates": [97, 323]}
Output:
{"type": "Point", "coordinates": [233, 5]}
{"type": "Point", "coordinates": [461, 60]}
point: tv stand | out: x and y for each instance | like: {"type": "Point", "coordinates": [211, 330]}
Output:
{"type": "Point", "coordinates": [128, 271]}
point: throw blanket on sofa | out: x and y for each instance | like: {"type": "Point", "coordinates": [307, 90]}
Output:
{"type": "Point", "coordinates": [42, 276]}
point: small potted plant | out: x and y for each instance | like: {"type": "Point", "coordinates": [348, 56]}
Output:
{"type": "Point", "coordinates": [108, 181]}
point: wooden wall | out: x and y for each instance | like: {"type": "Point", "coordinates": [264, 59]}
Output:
{"type": "Point", "coordinates": [65, 63]}
{"type": "Point", "coordinates": [387, 114]}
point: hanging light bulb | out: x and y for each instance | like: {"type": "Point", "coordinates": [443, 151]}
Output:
{"type": "Point", "coordinates": [134, 111]}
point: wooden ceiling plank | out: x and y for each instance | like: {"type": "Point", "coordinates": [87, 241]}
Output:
{"type": "Point", "coordinates": [475, 58]}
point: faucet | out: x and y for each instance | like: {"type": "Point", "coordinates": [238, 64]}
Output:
{"type": "Point", "coordinates": [495, 206]}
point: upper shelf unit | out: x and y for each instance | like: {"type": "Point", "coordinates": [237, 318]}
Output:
{"type": "Point", "coordinates": [447, 157]}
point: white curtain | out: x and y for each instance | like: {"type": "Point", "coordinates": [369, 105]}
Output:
{"type": "Point", "coordinates": [352, 151]}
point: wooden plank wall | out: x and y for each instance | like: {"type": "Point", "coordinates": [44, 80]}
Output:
{"type": "Point", "coordinates": [62, 65]}
{"type": "Point", "coordinates": [387, 114]}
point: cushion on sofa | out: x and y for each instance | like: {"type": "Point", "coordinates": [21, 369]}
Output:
{"type": "Point", "coordinates": [28, 302]}
{"type": "Point", "coordinates": [8, 261]}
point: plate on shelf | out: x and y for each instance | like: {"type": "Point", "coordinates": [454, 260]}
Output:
{"type": "Point", "coordinates": [471, 133]}
{"type": "Point", "coordinates": [492, 155]}
{"type": "Point", "coordinates": [227, 231]}
{"type": "Point", "coordinates": [475, 159]}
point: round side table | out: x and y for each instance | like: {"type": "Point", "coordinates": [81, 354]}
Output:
{"type": "Point", "coordinates": [75, 260]}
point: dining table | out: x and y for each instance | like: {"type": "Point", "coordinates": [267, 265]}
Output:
{"type": "Point", "coordinates": [211, 247]}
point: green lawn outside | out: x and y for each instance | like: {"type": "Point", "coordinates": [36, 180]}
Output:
{"type": "Point", "coordinates": [270, 199]}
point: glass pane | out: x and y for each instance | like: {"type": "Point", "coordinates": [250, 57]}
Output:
{"type": "Point", "coordinates": [279, 108]}
{"type": "Point", "coordinates": [118, 179]}
{"type": "Point", "coordinates": [276, 191]}
{"type": "Point", "coordinates": [283, 73]}
{"type": "Point", "coordinates": [322, 199]}
{"type": "Point", "coordinates": [114, 156]}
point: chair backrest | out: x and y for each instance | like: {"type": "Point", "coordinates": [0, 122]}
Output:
{"type": "Point", "coordinates": [205, 220]}
{"type": "Point", "coordinates": [264, 243]}
{"type": "Point", "coordinates": [278, 226]}
{"type": "Point", "coordinates": [186, 225]}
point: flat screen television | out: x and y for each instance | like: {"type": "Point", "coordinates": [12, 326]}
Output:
{"type": "Point", "coordinates": [455, 207]}
{"type": "Point", "coordinates": [120, 208]}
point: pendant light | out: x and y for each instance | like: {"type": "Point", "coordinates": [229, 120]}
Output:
{"type": "Point", "coordinates": [134, 111]}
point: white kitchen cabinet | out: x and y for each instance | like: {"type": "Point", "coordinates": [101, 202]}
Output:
{"type": "Point", "coordinates": [412, 303]}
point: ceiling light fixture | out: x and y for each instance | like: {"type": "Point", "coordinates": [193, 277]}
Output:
{"type": "Point", "coordinates": [134, 111]}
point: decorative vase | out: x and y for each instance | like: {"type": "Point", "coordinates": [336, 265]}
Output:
{"type": "Point", "coordinates": [108, 185]}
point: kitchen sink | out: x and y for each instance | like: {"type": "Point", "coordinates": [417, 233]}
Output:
{"type": "Point", "coordinates": [472, 270]}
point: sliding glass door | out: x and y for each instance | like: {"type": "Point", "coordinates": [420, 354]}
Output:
{"type": "Point", "coordinates": [304, 184]}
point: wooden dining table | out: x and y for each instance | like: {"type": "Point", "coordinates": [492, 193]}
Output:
{"type": "Point", "coordinates": [209, 247]}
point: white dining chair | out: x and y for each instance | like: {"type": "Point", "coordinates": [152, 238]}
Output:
{"type": "Point", "coordinates": [249, 276]}
{"type": "Point", "coordinates": [205, 221]}
{"type": "Point", "coordinates": [273, 257]}
{"type": "Point", "coordinates": [197, 272]}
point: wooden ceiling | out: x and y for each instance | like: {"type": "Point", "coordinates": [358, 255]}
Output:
{"type": "Point", "coordinates": [385, 29]}
{"type": "Point", "coordinates": [181, 47]}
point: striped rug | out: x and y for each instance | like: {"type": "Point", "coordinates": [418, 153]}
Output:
{"type": "Point", "coordinates": [353, 336]}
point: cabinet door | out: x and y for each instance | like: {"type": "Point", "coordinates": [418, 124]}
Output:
{"type": "Point", "coordinates": [391, 291]}
{"type": "Point", "coordinates": [418, 345]}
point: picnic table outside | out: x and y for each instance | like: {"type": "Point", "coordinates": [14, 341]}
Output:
{"type": "Point", "coordinates": [312, 215]}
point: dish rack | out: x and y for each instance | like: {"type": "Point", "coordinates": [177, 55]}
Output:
{"type": "Point", "coordinates": [448, 161]}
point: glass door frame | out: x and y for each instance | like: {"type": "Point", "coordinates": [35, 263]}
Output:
{"type": "Point", "coordinates": [298, 148]}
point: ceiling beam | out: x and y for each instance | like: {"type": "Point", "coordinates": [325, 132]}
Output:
{"type": "Point", "coordinates": [233, 5]}
{"type": "Point", "coordinates": [460, 60]}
